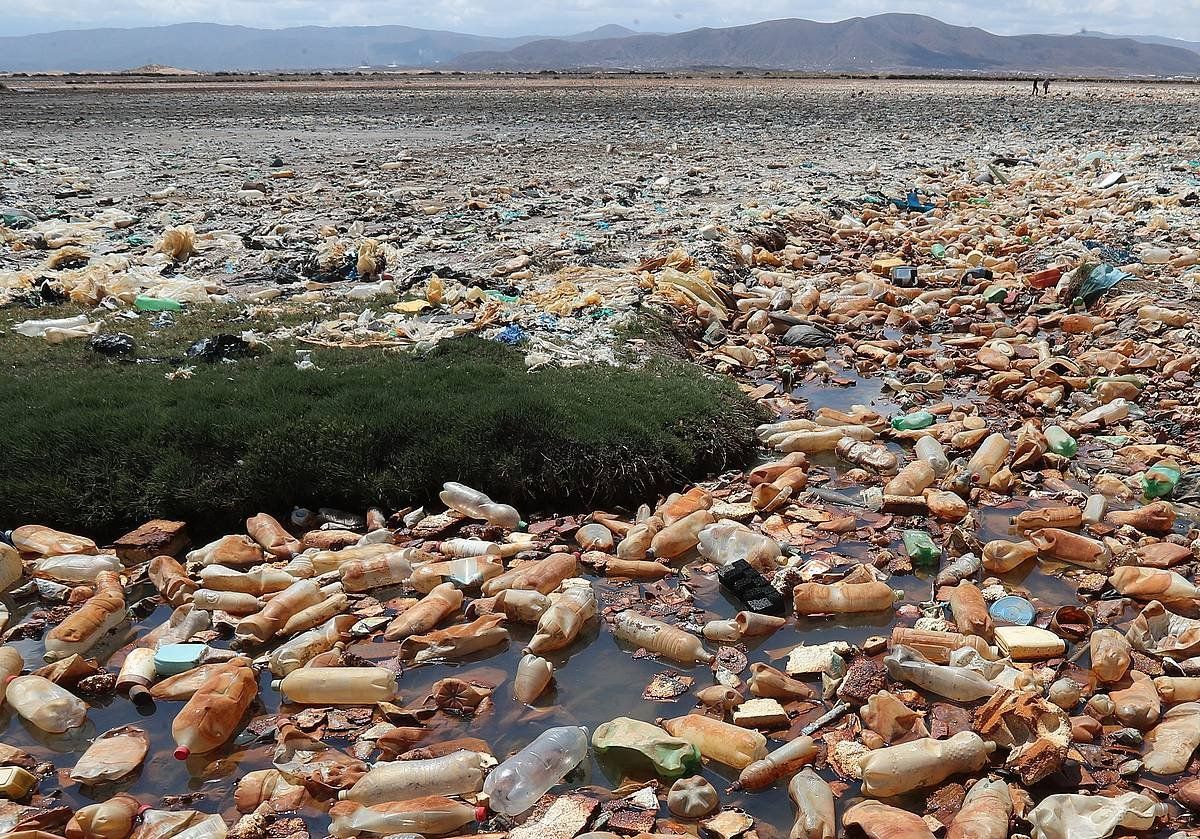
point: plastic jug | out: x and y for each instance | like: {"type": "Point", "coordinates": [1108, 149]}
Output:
{"type": "Point", "coordinates": [1060, 442]}
{"type": "Point", "coordinates": [970, 610]}
{"type": "Point", "coordinates": [338, 686]}
{"type": "Point", "coordinates": [517, 783]}
{"type": "Point", "coordinates": [46, 705]}
{"type": "Point", "coordinates": [211, 716]}
{"type": "Point", "coordinates": [476, 505]}
{"type": "Point", "coordinates": [728, 541]}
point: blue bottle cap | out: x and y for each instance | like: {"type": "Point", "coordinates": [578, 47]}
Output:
{"type": "Point", "coordinates": [1014, 610]}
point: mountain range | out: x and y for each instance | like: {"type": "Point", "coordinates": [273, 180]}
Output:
{"type": "Point", "coordinates": [896, 43]}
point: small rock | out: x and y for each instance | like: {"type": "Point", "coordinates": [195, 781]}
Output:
{"type": "Point", "coordinates": [1127, 737]}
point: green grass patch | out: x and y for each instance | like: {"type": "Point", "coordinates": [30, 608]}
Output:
{"type": "Point", "coordinates": [97, 446]}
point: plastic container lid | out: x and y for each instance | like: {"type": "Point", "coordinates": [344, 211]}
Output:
{"type": "Point", "coordinates": [1014, 610]}
{"type": "Point", "coordinates": [171, 659]}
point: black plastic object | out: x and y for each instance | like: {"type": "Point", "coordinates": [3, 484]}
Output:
{"type": "Point", "coordinates": [118, 343]}
{"type": "Point", "coordinates": [751, 588]}
{"type": "Point", "coordinates": [978, 274]}
{"type": "Point", "coordinates": [809, 335]}
{"type": "Point", "coordinates": [904, 276]}
{"type": "Point", "coordinates": [218, 348]}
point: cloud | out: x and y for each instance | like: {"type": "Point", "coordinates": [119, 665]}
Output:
{"type": "Point", "coordinates": [1177, 18]}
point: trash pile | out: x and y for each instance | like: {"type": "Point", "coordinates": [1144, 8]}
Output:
{"type": "Point", "coordinates": [958, 597]}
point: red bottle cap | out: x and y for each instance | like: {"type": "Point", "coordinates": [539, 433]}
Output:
{"type": "Point", "coordinates": [480, 813]}
{"type": "Point", "coordinates": [8, 679]}
{"type": "Point", "coordinates": [182, 753]}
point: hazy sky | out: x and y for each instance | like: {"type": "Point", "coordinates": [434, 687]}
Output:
{"type": "Point", "coordinates": [1176, 18]}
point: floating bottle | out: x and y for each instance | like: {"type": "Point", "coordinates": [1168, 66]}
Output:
{"type": "Point", "coordinates": [230, 602]}
{"type": "Point", "coordinates": [767, 473]}
{"type": "Point", "coordinates": [262, 627]}
{"type": "Point", "coordinates": [960, 684]}
{"type": "Point", "coordinates": [743, 624]}
{"type": "Point", "coordinates": [728, 541]}
{"type": "Point", "coordinates": [895, 770]}
{"type": "Point", "coordinates": [517, 783]}
{"type": "Point", "coordinates": [519, 606]}
{"type": "Point", "coordinates": [877, 820]}
{"type": "Point", "coordinates": [1001, 556]}
{"type": "Point", "coordinates": [868, 456]}
{"type": "Point", "coordinates": [1094, 508]}
{"type": "Point", "coordinates": [1146, 584]}
{"type": "Point", "coordinates": [271, 536]}
{"type": "Point", "coordinates": [985, 812]}
{"type": "Point", "coordinates": [945, 505]}
{"type": "Point", "coordinates": [11, 665]}
{"type": "Point", "coordinates": [75, 568]}
{"type": "Point", "coordinates": [912, 479]}
{"type": "Point", "coordinates": [914, 421]}
{"type": "Point", "coordinates": [660, 638]}
{"type": "Point", "coordinates": [111, 819]}
{"type": "Point", "coordinates": [228, 550]}
{"type": "Point", "coordinates": [456, 641]}
{"type": "Point", "coordinates": [1065, 546]}
{"type": "Point", "coordinates": [937, 646]}
{"type": "Point", "coordinates": [1178, 688]}
{"type": "Point", "coordinates": [1060, 442]}
{"type": "Point", "coordinates": [183, 686]}
{"type": "Point", "coordinates": [476, 505]}
{"type": "Point", "coordinates": [465, 572]}
{"type": "Point", "coordinates": [478, 547]}
{"type": "Point", "coordinates": [1173, 740]}
{"type": "Point", "coordinates": [678, 538]}
{"type": "Point", "coordinates": [388, 569]}
{"type": "Point", "coordinates": [171, 579]}
{"type": "Point", "coordinates": [211, 717]}
{"type": "Point", "coordinates": [786, 486]}
{"type": "Point", "coordinates": [544, 575]}
{"type": "Point", "coordinates": [962, 568]}
{"type": "Point", "coordinates": [101, 613]}
{"type": "Point", "coordinates": [988, 459]}
{"type": "Point", "coordinates": [51, 708]}
{"type": "Point", "coordinates": [1111, 654]}
{"type": "Point", "coordinates": [1157, 517]}
{"type": "Point", "coordinates": [533, 676]}
{"type": "Point", "coordinates": [427, 816]}
{"type": "Point", "coordinates": [784, 762]}
{"type": "Point", "coordinates": [928, 449]}
{"type": "Point", "coordinates": [842, 597]}
{"type": "Point", "coordinates": [137, 675]}
{"type": "Point", "coordinates": [1159, 481]}
{"type": "Point", "coordinates": [637, 541]}
{"type": "Point", "coordinates": [729, 744]}
{"type": "Point", "coordinates": [1028, 520]}
{"type": "Point", "coordinates": [825, 440]}
{"type": "Point", "coordinates": [426, 614]}
{"type": "Point", "coordinates": [337, 686]}
{"type": "Point", "coordinates": [561, 622]}
{"type": "Point", "coordinates": [766, 681]}
{"type": "Point", "coordinates": [636, 569]}
{"type": "Point", "coordinates": [812, 799]}
{"type": "Point", "coordinates": [458, 773]}
{"type": "Point", "coordinates": [1138, 705]}
{"type": "Point", "coordinates": [920, 548]}
{"type": "Point", "coordinates": [594, 537]}
{"type": "Point", "coordinates": [970, 610]}
{"type": "Point", "coordinates": [36, 540]}
{"type": "Point", "coordinates": [1030, 448]}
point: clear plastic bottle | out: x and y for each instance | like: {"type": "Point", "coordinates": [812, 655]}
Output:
{"type": "Point", "coordinates": [1159, 481]}
{"type": "Point", "coordinates": [379, 571]}
{"type": "Point", "coordinates": [988, 459]}
{"type": "Point", "coordinates": [911, 480]}
{"type": "Point", "coordinates": [45, 541]}
{"type": "Point", "coordinates": [930, 450]}
{"type": "Point", "coordinates": [230, 602]}
{"type": "Point", "coordinates": [922, 763]}
{"type": "Point", "coordinates": [728, 541]}
{"type": "Point", "coordinates": [51, 708]}
{"type": "Point", "coordinates": [477, 505]}
{"type": "Point", "coordinates": [136, 676]}
{"type": "Point", "coordinates": [338, 685]}
{"type": "Point", "coordinates": [868, 456]}
{"type": "Point", "coordinates": [517, 783]}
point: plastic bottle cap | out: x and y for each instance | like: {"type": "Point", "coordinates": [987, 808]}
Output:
{"type": "Point", "coordinates": [143, 808]}
{"type": "Point", "coordinates": [343, 794]}
{"type": "Point", "coordinates": [481, 813]}
{"type": "Point", "coordinates": [8, 679]}
{"type": "Point", "coordinates": [276, 683]}
{"type": "Point", "coordinates": [1013, 609]}
{"type": "Point", "coordinates": [182, 753]}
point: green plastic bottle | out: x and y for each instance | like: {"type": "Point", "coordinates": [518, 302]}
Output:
{"type": "Point", "coordinates": [153, 304]}
{"type": "Point", "coordinates": [920, 547]}
{"type": "Point", "coordinates": [1159, 480]}
{"type": "Point", "coordinates": [1060, 442]}
{"type": "Point", "coordinates": [914, 421]}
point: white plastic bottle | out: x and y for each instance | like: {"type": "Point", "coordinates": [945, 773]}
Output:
{"type": "Point", "coordinates": [45, 704]}
{"type": "Point", "coordinates": [477, 505]}
{"type": "Point", "coordinates": [517, 783]}
{"type": "Point", "coordinates": [930, 450]}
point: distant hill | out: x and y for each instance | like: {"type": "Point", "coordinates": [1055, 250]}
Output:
{"type": "Point", "coordinates": [1193, 46]}
{"type": "Point", "coordinates": [882, 43]}
{"type": "Point", "coordinates": [212, 47]}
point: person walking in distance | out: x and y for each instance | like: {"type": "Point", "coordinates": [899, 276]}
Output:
{"type": "Point", "coordinates": [1035, 87]}
{"type": "Point", "coordinates": [1046, 87]}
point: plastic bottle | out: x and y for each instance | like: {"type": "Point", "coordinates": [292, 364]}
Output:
{"type": "Point", "coordinates": [46, 705]}
{"type": "Point", "coordinates": [533, 676]}
{"type": "Point", "coordinates": [298, 651]}
{"type": "Point", "coordinates": [263, 626]}
{"type": "Point", "coordinates": [1074, 548]}
{"type": "Point", "coordinates": [985, 812]}
{"type": "Point", "coordinates": [389, 569]}
{"type": "Point", "coordinates": [920, 548]}
{"type": "Point", "coordinates": [876, 820]}
{"type": "Point", "coordinates": [111, 819]}
{"type": "Point", "coordinates": [428, 816]}
{"type": "Point", "coordinates": [868, 456]}
{"type": "Point", "coordinates": [930, 450]}
{"type": "Point", "coordinates": [1173, 740]}
{"type": "Point", "coordinates": [679, 506]}
{"type": "Point", "coordinates": [172, 580]}
{"type": "Point", "coordinates": [970, 610]}
{"type": "Point", "coordinates": [1138, 705]}
{"type": "Point", "coordinates": [467, 572]}
{"type": "Point", "coordinates": [824, 440]}
{"type": "Point", "coordinates": [637, 541]}
{"type": "Point", "coordinates": [11, 665]}
{"type": "Point", "coordinates": [937, 646]}
{"type": "Point", "coordinates": [911, 480]}
{"type": "Point", "coordinates": [517, 783]}
{"type": "Point", "coordinates": [1146, 584]}
{"type": "Point", "coordinates": [519, 606]}
{"type": "Point", "coordinates": [842, 597]}
{"type": "Point", "coordinates": [742, 624]}
{"type": "Point", "coordinates": [1113, 412]}
{"type": "Point", "coordinates": [458, 773]}
{"type": "Point", "coordinates": [476, 505]}
{"type": "Point", "coordinates": [337, 686]}
{"type": "Point", "coordinates": [678, 538]}
{"type": "Point", "coordinates": [728, 541]}
{"type": "Point", "coordinates": [988, 459]}
{"type": "Point", "coordinates": [767, 473]}
{"type": "Point", "coordinates": [80, 630]}
{"type": "Point", "coordinates": [544, 575]}
{"type": "Point", "coordinates": [769, 496]}
{"type": "Point", "coordinates": [426, 614]}
{"type": "Point", "coordinates": [660, 638]}
{"type": "Point", "coordinates": [1094, 508]}
{"type": "Point", "coordinates": [914, 421]}
{"type": "Point", "coordinates": [729, 744]}
{"type": "Point", "coordinates": [1159, 481]}
{"type": "Point", "coordinates": [960, 684]}
{"type": "Point", "coordinates": [1174, 689]}
{"type": "Point", "coordinates": [1155, 517]}
{"type": "Point", "coordinates": [37, 540]}
{"type": "Point", "coordinates": [812, 798]}
{"type": "Point", "coordinates": [766, 681]}
{"type": "Point", "coordinates": [561, 622]}
{"type": "Point", "coordinates": [457, 640]}
{"type": "Point", "coordinates": [478, 547]}
{"type": "Point", "coordinates": [1001, 556]}
{"type": "Point", "coordinates": [230, 602]}
{"type": "Point", "coordinates": [228, 550]}
{"type": "Point", "coordinates": [781, 763]}
{"type": "Point", "coordinates": [211, 716]}
{"type": "Point", "coordinates": [1066, 517]}
{"type": "Point", "coordinates": [137, 675]}
{"type": "Point", "coordinates": [895, 770]}
{"type": "Point", "coordinates": [638, 570]}
{"type": "Point", "coordinates": [1060, 442]}
{"type": "Point", "coordinates": [272, 536]}
{"type": "Point", "coordinates": [75, 568]}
